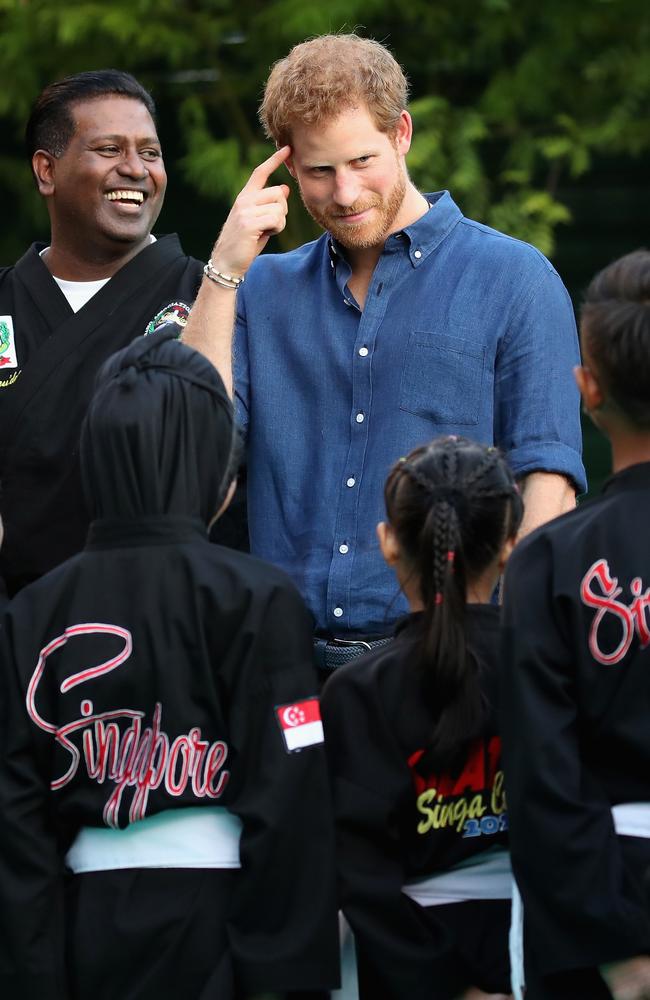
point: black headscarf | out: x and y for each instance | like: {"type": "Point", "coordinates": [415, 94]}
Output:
{"type": "Point", "coordinates": [158, 436]}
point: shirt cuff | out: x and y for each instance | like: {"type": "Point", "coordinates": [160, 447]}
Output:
{"type": "Point", "coordinates": [549, 456]}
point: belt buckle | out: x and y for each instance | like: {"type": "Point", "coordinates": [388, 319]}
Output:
{"type": "Point", "coordinates": [351, 642]}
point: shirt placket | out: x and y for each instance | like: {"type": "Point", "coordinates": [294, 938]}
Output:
{"type": "Point", "coordinates": [340, 613]}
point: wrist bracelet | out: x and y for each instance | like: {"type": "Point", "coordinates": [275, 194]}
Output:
{"type": "Point", "coordinates": [220, 281]}
{"type": "Point", "coordinates": [225, 280]}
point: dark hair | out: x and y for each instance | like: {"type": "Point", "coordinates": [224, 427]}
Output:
{"type": "Point", "coordinates": [51, 126]}
{"type": "Point", "coordinates": [452, 504]}
{"type": "Point", "coordinates": [615, 323]}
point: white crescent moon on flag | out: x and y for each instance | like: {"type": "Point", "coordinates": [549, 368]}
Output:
{"type": "Point", "coordinates": [293, 716]}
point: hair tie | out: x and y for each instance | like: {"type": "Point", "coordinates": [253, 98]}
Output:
{"type": "Point", "coordinates": [451, 555]}
{"type": "Point", "coordinates": [439, 598]}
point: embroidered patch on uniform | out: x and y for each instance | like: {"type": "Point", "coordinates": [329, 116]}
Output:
{"type": "Point", "coordinates": [175, 312]}
{"type": "Point", "coordinates": [8, 358]}
{"type": "Point", "coordinates": [300, 723]}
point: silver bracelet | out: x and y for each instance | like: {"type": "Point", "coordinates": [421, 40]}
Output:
{"type": "Point", "coordinates": [225, 280]}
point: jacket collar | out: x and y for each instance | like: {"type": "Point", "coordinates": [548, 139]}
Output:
{"type": "Point", "coordinates": [634, 477]}
{"type": "Point", "coordinates": [110, 534]}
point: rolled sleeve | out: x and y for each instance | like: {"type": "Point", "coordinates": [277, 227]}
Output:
{"type": "Point", "coordinates": [537, 404]}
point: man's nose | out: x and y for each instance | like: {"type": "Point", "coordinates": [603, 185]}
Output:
{"type": "Point", "coordinates": [132, 165]}
{"type": "Point", "coordinates": [346, 189]}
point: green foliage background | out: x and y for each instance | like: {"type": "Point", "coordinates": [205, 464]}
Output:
{"type": "Point", "coordinates": [517, 103]}
{"type": "Point", "coordinates": [510, 97]}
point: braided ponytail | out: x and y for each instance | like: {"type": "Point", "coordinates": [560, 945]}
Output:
{"type": "Point", "coordinates": [452, 504]}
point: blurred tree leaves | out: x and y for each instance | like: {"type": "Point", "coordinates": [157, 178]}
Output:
{"type": "Point", "coordinates": [509, 97]}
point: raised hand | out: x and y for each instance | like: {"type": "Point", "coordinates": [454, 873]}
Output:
{"type": "Point", "coordinates": [258, 213]}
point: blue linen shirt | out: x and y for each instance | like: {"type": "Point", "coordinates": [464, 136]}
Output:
{"type": "Point", "coordinates": [463, 331]}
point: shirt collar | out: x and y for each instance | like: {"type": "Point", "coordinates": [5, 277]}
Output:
{"type": "Point", "coordinates": [422, 237]}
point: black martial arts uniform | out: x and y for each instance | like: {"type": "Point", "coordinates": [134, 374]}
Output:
{"type": "Point", "coordinates": [576, 727]}
{"type": "Point", "coordinates": [399, 822]}
{"type": "Point", "coordinates": [44, 397]}
{"type": "Point", "coordinates": [151, 672]}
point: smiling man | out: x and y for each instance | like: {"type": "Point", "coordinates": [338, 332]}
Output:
{"type": "Point", "coordinates": [405, 320]}
{"type": "Point", "coordinates": [65, 307]}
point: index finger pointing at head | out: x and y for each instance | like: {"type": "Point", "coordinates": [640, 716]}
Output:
{"type": "Point", "coordinates": [261, 174]}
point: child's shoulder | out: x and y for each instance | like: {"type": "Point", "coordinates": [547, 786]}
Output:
{"type": "Point", "coordinates": [250, 571]}
{"type": "Point", "coordinates": [378, 673]}
{"type": "Point", "coordinates": [562, 533]}
{"type": "Point", "coordinates": [240, 583]}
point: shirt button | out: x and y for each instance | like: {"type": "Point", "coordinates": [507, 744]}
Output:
{"type": "Point", "coordinates": [343, 549]}
{"type": "Point", "coordinates": [360, 418]}
{"type": "Point", "coordinates": [363, 351]}
{"type": "Point", "coordinates": [351, 481]}
{"type": "Point", "coordinates": [338, 612]}
{"type": "Point", "coordinates": [346, 302]}
{"type": "Point", "coordinates": [417, 254]}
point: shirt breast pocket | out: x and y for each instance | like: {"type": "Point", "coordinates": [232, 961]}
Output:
{"type": "Point", "coordinates": [442, 378]}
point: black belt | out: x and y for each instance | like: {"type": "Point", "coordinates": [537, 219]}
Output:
{"type": "Point", "coordinates": [333, 653]}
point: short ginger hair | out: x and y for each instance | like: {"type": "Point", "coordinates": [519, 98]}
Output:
{"type": "Point", "coordinates": [324, 76]}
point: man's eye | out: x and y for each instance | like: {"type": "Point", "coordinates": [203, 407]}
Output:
{"type": "Point", "coordinates": [150, 154]}
{"type": "Point", "coordinates": [110, 150]}
{"type": "Point", "coordinates": [362, 160]}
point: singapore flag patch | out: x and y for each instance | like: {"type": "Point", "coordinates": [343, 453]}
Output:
{"type": "Point", "coordinates": [300, 723]}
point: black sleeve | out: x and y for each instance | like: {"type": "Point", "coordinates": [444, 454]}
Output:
{"type": "Point", "coordinates": [580, 909]}
{"type": "Point", "coordinates": [31, 868]}
{"type": "Point", "coordinates": [370, 781]}
{"type": "Point", "coordinates": [284, 923]}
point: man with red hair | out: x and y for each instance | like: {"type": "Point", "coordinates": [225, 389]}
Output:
{"type": "Point", "coordinates": [403, 321]}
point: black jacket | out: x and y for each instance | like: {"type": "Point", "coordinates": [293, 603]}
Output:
{"type": "Point", "coordinates": [576, 724]}
{"type": "Point", "coordinates": [43, 400]}
{"type": "Point", "coordinates": [153, 638]}
{"type": "Point", "coordinates": [397, 821]}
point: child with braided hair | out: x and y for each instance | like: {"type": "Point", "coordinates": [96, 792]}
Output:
{"type": "Point", "coordinates": [412, 743]}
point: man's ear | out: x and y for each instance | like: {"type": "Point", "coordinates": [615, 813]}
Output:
{"type": "Point", "coordinates": [403, 133]}
{"type": "Point", "coordinates": [590, 388]}
{"type": "Point", "coordinates": [43, 165]}
{"type": "Point", "coordinates": [388, 543]}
